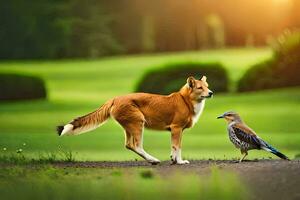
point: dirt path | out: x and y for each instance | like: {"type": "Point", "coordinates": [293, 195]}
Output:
{"type": "Point", "coordinates": [265, 179]}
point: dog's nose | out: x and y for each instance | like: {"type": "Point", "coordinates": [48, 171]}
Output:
{"type": "Point", "coordinates": [210, 93]}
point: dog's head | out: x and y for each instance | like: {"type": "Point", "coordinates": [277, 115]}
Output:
{"type": "Point", "coordinates": [198, 88]}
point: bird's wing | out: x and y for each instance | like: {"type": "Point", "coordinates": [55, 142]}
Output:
{"type": "Point", "coordinates": [246, 134]}
{"type": "Point", "coordinates": [244, 128]}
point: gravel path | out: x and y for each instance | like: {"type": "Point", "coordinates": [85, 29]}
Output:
{"type": "Point", "coordinates": [265, 179]}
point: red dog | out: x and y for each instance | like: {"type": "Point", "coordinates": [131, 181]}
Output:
{"type": "Point", "coordinates": [175, 112]}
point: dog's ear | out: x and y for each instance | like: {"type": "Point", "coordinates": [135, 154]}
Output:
{"type": "Point", "coordinates": [203, 78]}
{"type": "Point", "coordinates": [191, 82]}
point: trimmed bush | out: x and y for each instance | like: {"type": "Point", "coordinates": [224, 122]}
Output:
{"type": "Point", "coordinates": [20, 87]}
{"type": "Point", "coordinates": [283, 70]}
{"type": "Point", "coordinates": [171, 77]}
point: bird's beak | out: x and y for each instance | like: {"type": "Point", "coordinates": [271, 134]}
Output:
{"type": "Point", "coordinates": [221, 116]}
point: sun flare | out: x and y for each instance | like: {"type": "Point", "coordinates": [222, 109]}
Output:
{"type": "Point", "coordinates": [281, 1]}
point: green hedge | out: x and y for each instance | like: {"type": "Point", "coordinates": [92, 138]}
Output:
{"type": "Point", "coordinates": [20, 87]}
{"type": "Point", "coordinates": [283, 70]}
{"type": "Point", "coordinates": [172, 77]}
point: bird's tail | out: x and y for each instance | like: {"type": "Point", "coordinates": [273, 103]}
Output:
{"type": "Point", "coordinates": [87, 122]}
{"type": "Point", "coordinates": [274, 151]}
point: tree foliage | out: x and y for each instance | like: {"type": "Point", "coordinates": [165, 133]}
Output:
{"type": "Point", "coordinates": [33, 29]}
{"type": "Point", "coordinates": [53, 29]}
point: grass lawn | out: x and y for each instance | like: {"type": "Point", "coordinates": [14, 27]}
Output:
{"type": "Point", "coordinates": [47, 182]}
{"type": "Point", "coordinates": [77, 87]}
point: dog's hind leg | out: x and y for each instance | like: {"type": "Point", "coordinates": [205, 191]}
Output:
{"type": "Point", "coordinates": [132, 120]}
{"type": "Point", "coordinates": [134, 141]}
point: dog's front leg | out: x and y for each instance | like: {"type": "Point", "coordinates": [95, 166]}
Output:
{"type": "Point", "coordinates": [176, 135]}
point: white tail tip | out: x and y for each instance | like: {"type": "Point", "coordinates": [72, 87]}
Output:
{"type": "Point", "coordinates": [67, 129]}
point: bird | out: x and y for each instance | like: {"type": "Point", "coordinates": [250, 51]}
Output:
{"type": "Point", "coordinates": [244, 138]}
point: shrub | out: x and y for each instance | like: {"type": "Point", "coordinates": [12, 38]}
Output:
{"type": "Point", "coordinates": [282, 70]}
{"type": "Point", "coordinates": [172, 77]}
{"type": "Point", "coordinates": [19, 87]}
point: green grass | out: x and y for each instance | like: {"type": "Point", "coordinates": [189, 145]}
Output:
{"type": "Point", "coordinates": [77, 87]}
{"type": "Point", "coordinates": [44, 182]}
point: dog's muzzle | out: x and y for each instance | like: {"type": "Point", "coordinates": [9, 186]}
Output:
{"type": "Point", "coordinates": [210, 95]}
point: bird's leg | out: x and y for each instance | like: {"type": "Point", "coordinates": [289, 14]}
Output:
{"type": "Point", "coordinates": [245, 154]}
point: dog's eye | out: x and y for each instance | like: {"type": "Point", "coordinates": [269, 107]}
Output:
{"type": "Point", "coordinates": [199, 88]}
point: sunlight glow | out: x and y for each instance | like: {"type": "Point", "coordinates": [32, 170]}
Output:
{"type": "Point", "coordinates": [281, 1]}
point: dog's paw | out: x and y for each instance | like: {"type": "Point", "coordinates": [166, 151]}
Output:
{"type": "Point", "coordinates": [183, 162]}
{"type": "Point", "coordinates": [179, 162]}
{"type": "Point", "coordinates": [154, 161]}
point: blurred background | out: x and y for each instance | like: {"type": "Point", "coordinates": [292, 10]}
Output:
{"type": "Point", "coordinates": [88, 29]}
{"type": "Point", "coordinates": [63, 59]}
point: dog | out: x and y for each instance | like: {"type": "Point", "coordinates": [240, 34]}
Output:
{"type": "Point", "coordinates": [174, 113]}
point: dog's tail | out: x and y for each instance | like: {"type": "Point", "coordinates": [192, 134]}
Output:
{"type": "Point", "coordinates": [87, 122]}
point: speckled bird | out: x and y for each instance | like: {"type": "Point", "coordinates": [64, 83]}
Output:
{"type": "Point", "coordinates": [244, 138]}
